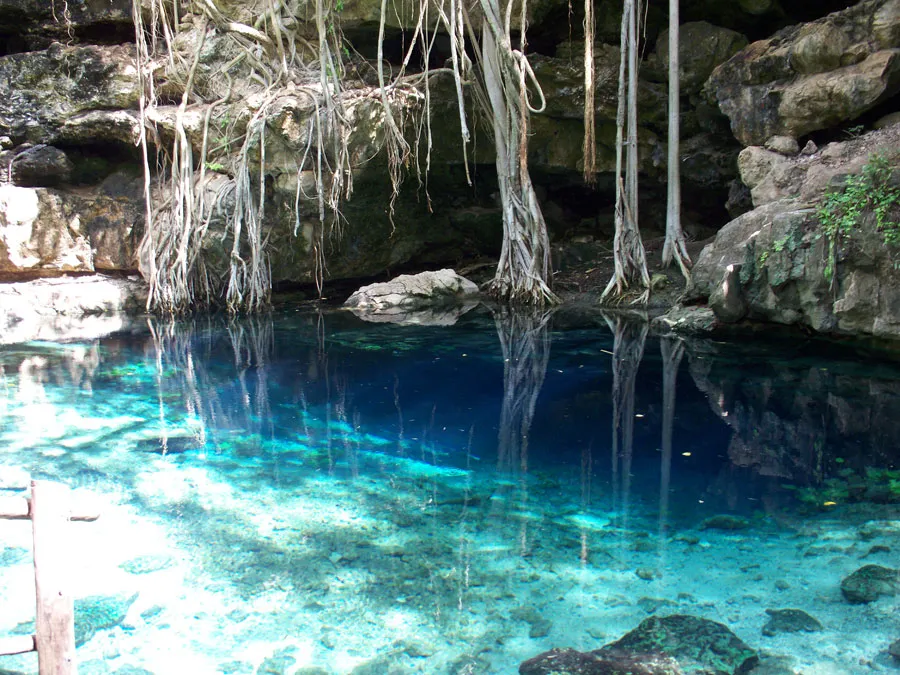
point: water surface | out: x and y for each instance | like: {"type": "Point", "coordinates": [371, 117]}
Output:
{"type": "Point", "coordinates": [311, 493]}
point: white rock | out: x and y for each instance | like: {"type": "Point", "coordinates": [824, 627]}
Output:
{"type": "Point", "coordinates": [413, 291]}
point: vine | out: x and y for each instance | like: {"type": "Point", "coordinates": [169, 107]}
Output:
{"type": "Point", "coordinates": [843, 209]}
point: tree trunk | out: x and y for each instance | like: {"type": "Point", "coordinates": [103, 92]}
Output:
{"type": "Point", "coordinates": [523, 271]}
{"type": "Point", "coordinates": [674, 247]}
{"type": "Point", "coordinates": [629, 258]}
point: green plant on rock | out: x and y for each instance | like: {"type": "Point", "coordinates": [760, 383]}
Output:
{"type": "Point", "coordinates": [843, 209]}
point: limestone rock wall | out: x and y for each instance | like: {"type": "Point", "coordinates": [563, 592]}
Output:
{"type": "Point", "coordinates": [812, 76]}
{"type": "Point", "coordinates": [770, 263]}
{"type": "Point", "coordinates": [69, 122]}
{"type": "Point", "coordinates": [773, 263]}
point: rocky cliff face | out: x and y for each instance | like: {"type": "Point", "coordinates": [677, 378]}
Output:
{"type": "Point", "coordinates": [69, 101]}
{"type": "Point", "coordinates": [776, 262]}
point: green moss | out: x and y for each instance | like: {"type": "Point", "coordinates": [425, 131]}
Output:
{"type": "Point", "coordinates": [869, 192]}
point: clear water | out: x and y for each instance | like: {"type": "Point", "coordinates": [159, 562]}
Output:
{"type": "Point", "coordinates": [310, 493]}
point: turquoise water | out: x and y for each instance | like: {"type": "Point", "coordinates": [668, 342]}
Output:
{"type": "Point", "coordinates": [311, 493]}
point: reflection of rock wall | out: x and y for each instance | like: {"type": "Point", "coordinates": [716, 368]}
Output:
{"type": "Point", "coordinates": [80, 308]}
{"type": "Point", "coordinates": [796, 421]}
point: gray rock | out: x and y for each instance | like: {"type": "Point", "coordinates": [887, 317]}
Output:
{"type": "Point", "coordinates": [702, 47]}
{"type": "Point", "coordinates": [869, 583]}
{"type": "Point", "coordinates": [783, 258]}
{"type": "Point", "coordinates": [811, 76]}
{"type": "Point", "coordinates": [888, 120]}
{"type": "Point", "coordinates": [47, 231]}
{"type": "Point", "coordinates": [413, 291]}
{"type": "Point", "coordinates": [43, 89]}
{"type": "Point", "coordinates": [726, 300]}
{"type": "Point", "coordinates": [783, 145]}
{"type": "Point", "coordinates": [36, 166]}
{"type": "Point", "coordinates": [790, 621]}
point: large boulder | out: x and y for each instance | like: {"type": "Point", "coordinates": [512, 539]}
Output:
{"type": "Point", "coordinates": [811, 76]}
{"type": "Point", "coordinates": [42, 90]}
{"type": "Point", "coordinates": [35, 166]}
{"type": "Point", "coordinates": [658, 646]}
{"type": "Point", "coordinates": [701, 47]}
{"type": "Point", "coordinates": [413, 291]}
{"type": "Point", "coordinates": [46, 231]}
{"type": "Point", "coordinates": [787, 272]}
{"type": "Point", "coordinates": [68, 308]}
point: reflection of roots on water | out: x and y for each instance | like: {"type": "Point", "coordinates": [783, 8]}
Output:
{"type": "Point", "coordinates": [183, 350]}
{"type": "Point", "coordinates": [628, 350]}
{"type": "Point", "coordinates": [525, 344]}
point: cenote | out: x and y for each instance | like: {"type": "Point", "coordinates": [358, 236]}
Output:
{"type": "Point", "coordinates": [305, 492]}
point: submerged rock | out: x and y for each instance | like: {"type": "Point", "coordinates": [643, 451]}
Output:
{"type": "Point", "coordinates": [869, 583]}
{"type": "Point", "coordinates": [725, 522]}
{"type": "Point", "coordinates": [99, 612]}
{"type": "Point", "coordinates": [572, 662]}
{"type": "Point", "coordinates": [894, 649]}
{"type": "Point", "coordinates": [698, 645]}
{"type": "Point", "coordinates": [673, 645]}
{"type": "Point", "coordinates": [14, 555]}
{"type": "Point", "coordinates": [147, 563]}
{"type": "Point", "coordinates": [790, 621]}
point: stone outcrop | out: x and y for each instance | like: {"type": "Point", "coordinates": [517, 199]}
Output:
{"type": "Point", "coordinates": [31, 25]}
{"type": "Point", "coordinates": [43, 90]}
{"type": "Point", "coordinates": [773, 263]}
{"type": "Point", "coordinates": [46, 232]}
{"type": "Point", "coordinates": [409, 292]}
{"type": "Point", "coordinates": [68, 308]}
{"type": "Point", "coordinates": [702, 47]}
{"type": "Point", "coordinates": [811, 76]}
{"type": "Point", "coordinates": [658, 646]}
{"type": "Point", "coordinates": [869, 583]}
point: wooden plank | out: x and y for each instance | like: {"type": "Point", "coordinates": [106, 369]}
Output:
{"type": "Point", "coordinates": [14, 508]}
{"type": "Point", "coordinates": [16, 644]}
{"type": "Point", "coordinates": [55, 616]}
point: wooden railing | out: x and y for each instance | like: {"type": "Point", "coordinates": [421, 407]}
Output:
{"type": "Point", "coordinates": [50, 511]}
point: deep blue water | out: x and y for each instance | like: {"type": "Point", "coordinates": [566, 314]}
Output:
{"type": "Point", "coordinates": [329, 493]}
